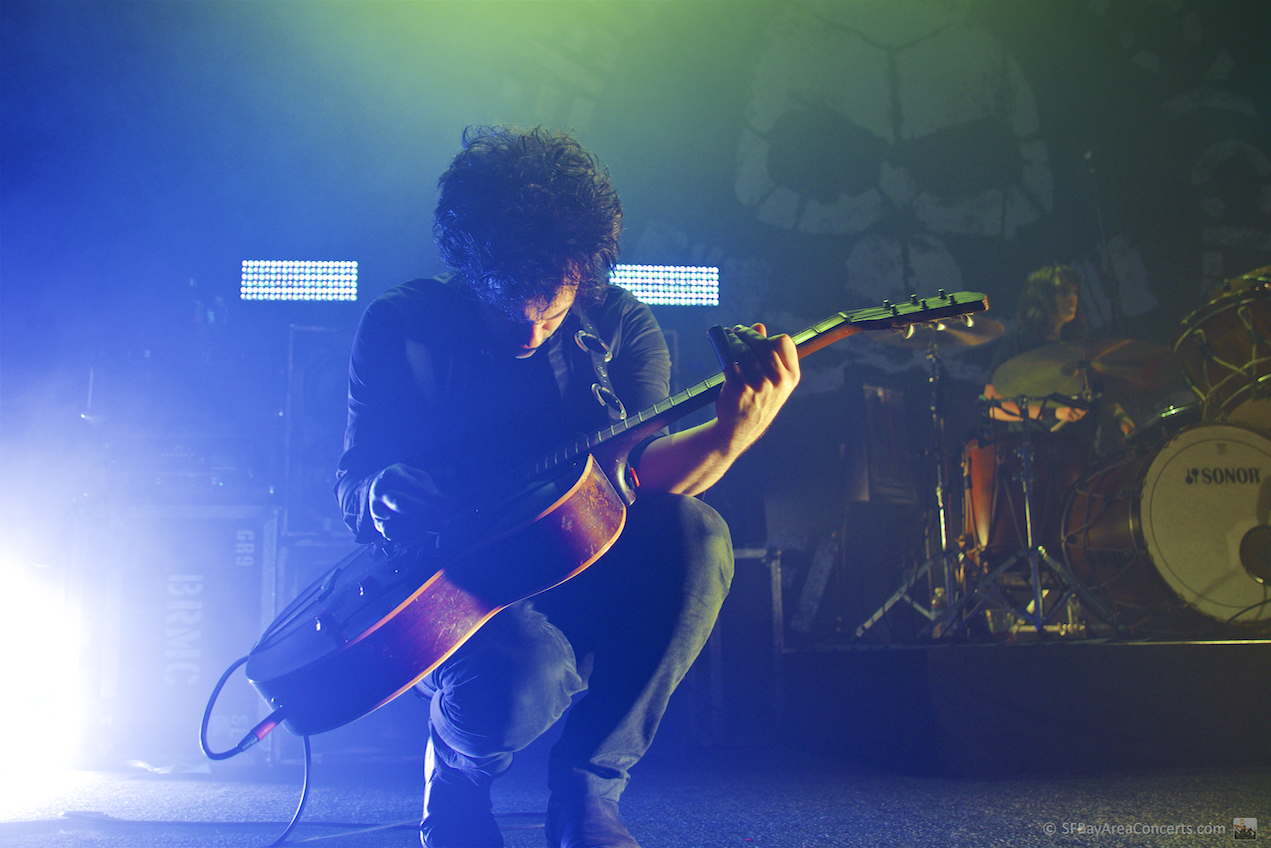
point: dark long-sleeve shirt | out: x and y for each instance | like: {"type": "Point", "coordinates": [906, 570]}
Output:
{"type": "Point", "coordinates": [428, 387]}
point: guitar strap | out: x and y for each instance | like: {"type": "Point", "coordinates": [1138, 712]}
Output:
{"type": "Point", "coordinates": [584, 353]}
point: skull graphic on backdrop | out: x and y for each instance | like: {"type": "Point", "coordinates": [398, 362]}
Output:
{"type": "Point", "coordinates": [893, 131]}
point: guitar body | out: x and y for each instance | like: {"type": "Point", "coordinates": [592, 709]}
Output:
{"type": "Point", "coordinates": [374, 625]}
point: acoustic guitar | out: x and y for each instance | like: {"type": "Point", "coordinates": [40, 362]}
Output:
{"type": "Point", "coordinates": [388, 614]}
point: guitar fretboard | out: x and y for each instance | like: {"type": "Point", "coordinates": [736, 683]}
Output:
{"type": "Point", "coordinates": [661, 413]}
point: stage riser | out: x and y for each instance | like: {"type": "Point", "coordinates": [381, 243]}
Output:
{"type": "Point", "coordinates": [997, 710]}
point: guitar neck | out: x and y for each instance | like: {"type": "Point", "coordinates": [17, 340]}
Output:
{"type": "Point", "coordinates": [639, 425]}
{"type": "Point", "coordinates": [647, 421]}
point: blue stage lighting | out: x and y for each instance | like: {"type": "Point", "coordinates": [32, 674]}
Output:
{"type": "Point", "coordinates": [270, 279]}
{"type": "Point", "coordinates": [671, 285]}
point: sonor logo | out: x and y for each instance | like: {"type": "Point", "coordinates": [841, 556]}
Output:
{"type": "Point", "coordinates": [1224, 475]}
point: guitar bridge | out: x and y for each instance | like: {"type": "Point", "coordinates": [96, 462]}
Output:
{"type": "Point", "coordinates": [328, 625]}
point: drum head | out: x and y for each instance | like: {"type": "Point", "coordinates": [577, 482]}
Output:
{"type": "Point", "coordinates": [1206, 495]}
{"type": "Point", "coordinates": [1255, 413]}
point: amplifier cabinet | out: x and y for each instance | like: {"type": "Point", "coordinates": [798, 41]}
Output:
{"type": "Point", "coordinates": [170, 596]}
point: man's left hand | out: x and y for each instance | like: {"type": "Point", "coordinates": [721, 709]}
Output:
{"type": "Point", "coordinates": [758, 384]}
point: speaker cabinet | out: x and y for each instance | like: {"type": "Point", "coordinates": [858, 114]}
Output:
{"type": "Point", "coordinates": [878, 450]}
{"type": "Point", "coordinates": [171, 596]}
{"type": "Point", "coordinates": [316, 411]}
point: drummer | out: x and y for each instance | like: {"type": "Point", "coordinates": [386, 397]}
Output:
{"type": "Point", "coordinates": [1049, 311]}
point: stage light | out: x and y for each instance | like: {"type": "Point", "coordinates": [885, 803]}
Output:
{"type": "Point", "coordinates": [670, 285]}
{"type": "Point", "coordinates": [270, 279]}
{"type": "Point", "coordinates": [44, 706]}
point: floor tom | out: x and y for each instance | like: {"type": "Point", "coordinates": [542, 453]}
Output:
{"type": "Point", "coordinates": [1224, 348]}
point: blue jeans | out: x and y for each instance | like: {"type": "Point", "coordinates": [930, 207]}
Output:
{"type": "Point", "coordinates": [625, 630]}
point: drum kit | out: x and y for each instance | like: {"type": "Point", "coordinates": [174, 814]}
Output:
{"type": "Point", "coordinates": [1167, 534]}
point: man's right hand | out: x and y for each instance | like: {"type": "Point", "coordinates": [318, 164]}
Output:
{"type": "Point", "coordinates": [405, 503]}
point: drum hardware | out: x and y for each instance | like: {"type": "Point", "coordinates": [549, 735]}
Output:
{"type": "Point", "coordinates": [1259, 279]}
{"type": "Point", "coordinates": [946, 555]}
{"type": "Point", "coordinates": [966, 333]}
{"type": "Point", "coordinates": [1116, 370]}
{"type": "Point", "coordinates": [1071, 374]}
{"type": "Point", "coordinates": [1042, 567]}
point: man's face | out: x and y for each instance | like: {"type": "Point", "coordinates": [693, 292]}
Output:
{"type": "Point", "coordinates": [523, 335]}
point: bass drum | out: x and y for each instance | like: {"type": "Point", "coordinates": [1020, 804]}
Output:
{"type": "Point", "coordinates": [1164, 425]}
{"type": "Point", "coordinates": [1175, 536]}
{"type": "Point", "coordinates": [1255, 413]}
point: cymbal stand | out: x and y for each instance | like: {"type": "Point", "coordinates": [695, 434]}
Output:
{"type": "Point", "coordinates": [1036, 556]}
{"type": "Point", "coordinates": [947, 555]}
{"type": "Point", "coordinates": [1034, 553]}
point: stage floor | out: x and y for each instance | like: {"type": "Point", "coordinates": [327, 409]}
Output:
{"type": "Point", "coordinates": [757, 798]}
{"type": "Point", "coordinates": [1064, 743]}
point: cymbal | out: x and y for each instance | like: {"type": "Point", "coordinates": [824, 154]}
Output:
{"type": "Point", "coordinates": [945, 334]}
{"type": "Point", "coordinates": [1123, 366]}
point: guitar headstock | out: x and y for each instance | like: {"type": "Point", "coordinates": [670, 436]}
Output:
{"type": "Point", "coordinates": [891, 316]}
{"type": "Point", "coordinates": [920, 311]}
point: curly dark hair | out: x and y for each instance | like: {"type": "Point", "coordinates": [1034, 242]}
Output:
{"type": "Point", "coordinates": [1037, 308]}
{"type": "Point", "coordinates": [521, 212]}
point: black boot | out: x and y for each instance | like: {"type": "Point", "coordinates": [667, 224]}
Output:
{"type": "Point", "coordinates": [586, 823]}
{"type": "Point", "coordinates": [458, 812]}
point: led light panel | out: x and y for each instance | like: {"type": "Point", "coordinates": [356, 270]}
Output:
{"type": "Point", "coordinates": [270, 279]}
{"type": "Point", "coordinates": [673, 285]}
